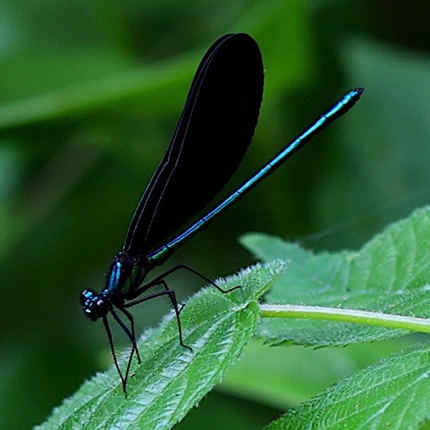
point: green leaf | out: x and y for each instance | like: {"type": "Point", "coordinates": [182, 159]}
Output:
{"type": "Point", "coordinates": [151, 83]}
{"type": "Point", "coordinates": [389, 275]}
{"type": "Point", "coordinates": [391, 394]}
{"type": "Point", "coordinates": [378, 172]}
{"type": "Point", "coordinates": [285, 377]}
{"type": "Point", "coordinates": [171, 379]}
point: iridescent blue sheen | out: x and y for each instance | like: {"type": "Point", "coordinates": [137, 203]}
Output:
{"type": "Point", "coordinates": [212, 136]}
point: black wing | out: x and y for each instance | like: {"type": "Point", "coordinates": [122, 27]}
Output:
{"type": "Point", "coordinates": [211, 138]}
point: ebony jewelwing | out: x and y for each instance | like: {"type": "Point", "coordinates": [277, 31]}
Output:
{"type": "Point", "coordinates": [211, 138]}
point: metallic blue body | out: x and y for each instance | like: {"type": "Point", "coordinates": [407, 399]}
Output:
{"type": "Point", "coordinates": [211, 138]}
{"type": "Point", "coordinates": [338, 109]}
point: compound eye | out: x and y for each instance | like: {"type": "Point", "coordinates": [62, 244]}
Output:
{"type": "Point", "coordinates": [86, 296]}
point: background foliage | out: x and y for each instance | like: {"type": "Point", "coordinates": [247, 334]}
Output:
{"type": "Point", "coordinates": [89, 96]}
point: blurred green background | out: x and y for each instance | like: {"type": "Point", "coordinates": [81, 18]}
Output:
{"type": "Point", "coordinates": [90, 92]}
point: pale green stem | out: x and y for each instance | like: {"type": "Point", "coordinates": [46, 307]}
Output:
{"type": "Point", "coordinates": [346, 315]}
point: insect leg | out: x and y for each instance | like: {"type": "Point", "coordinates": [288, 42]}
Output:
{"type": "Point", "coordinates": [167, 292]}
